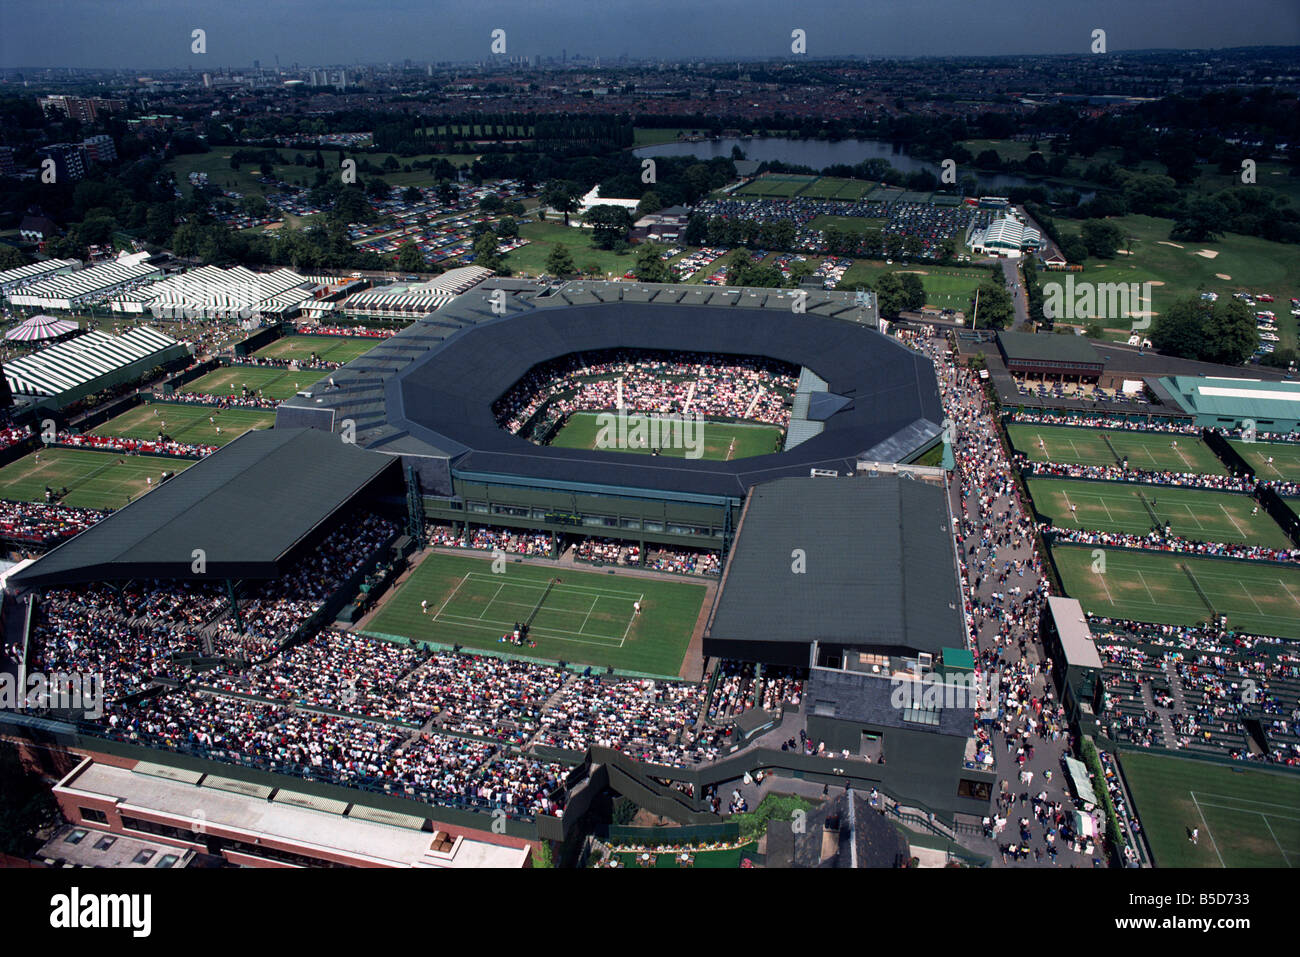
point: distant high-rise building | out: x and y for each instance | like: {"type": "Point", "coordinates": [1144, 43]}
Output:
{"type": "Point", "coordinates": [7, 161]}
{"type": "Point", "coordinates": [100, 148]}
{"type": "Point", "coordinates": [69, 161]}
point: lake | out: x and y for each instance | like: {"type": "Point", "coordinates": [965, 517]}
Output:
{"type": "Point", "coordinates": [822, 153]}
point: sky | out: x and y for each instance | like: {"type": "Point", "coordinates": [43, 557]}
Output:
{"type": "Point", "coordinates": [157, 33]}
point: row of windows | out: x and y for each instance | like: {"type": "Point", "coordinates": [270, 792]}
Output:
{"type": "Point", "coordinates": [589, 521]}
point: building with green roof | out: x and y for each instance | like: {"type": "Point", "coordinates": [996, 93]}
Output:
{"type": "Point", "coordinates": [1227, 403]}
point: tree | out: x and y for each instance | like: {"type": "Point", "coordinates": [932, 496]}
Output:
{"type": "Point", "coordinates": [559, 262]}
{"type": "Point", "coordinates": [11, 258]}
{"type": "Point", "coordinates": [507, 228]}
{"type": "Point", "coordinates": [485, 251]}
{"type": "Point", "coordinates": [609, 224]}
{"type": "Point", "coordinates": [1102, 237]}
{"type": "Point", "coordinates": [913, 291]}
{"type": "Point", "coordinates": [1199, 220]}
{"type": "Point", "coordinates": [1222, 331]}
{"type": "Point", "coordinates": [889, 295]}
{"type": "Point", "coordinates": [649, 267]}
{"type": "Point", "coordinates": [996, 311]}
{"type": "Point", "coordinates": [562, 196]}
{"type": "Point", "coordinates": [1074, 249]}
{"type": "Point", "coordinates": [491, 203]}
{"type": "Point", "coordinates": [650, 203]}
{"type": "Point", "coordinates": [412, 195]}
{"type": "Point", "coordinates": [410, 259]}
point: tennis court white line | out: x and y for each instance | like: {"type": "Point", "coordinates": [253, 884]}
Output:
{"type": "Point", "coordinates": [1242, 586]}
{"type": "Point", "coordinates": [501, 628]}
{"type": "Point", "coordinates": [583, 628]}
{"type": "Point", "coordinates": [1240, 530]}
{"type": "Point", "coordinates": [1250, 810]}
{"type": "Point", "coordinates": [1229, 797]}
{"type": "Point", "coordinates": [630, 623]}
{"type": "Point", "coordinates": [1145, 585]}
{"type": "Point", "coordinates": [1286, 588]}
{"type": "Point", "coordinates": [492, 599]}
{"type": "Point", "coordinates": [449, 598]}
{"type": "Point", "coordinates": [478, 576]}
{"type": "Point", "coordinates": [1208, 832]}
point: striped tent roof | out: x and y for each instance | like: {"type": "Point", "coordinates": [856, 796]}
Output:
{"type": "Point", "coordinates": [89, 281]}
{"type": "Point", "coordinates": [212, 291]}
{"type": "Point", "coordinates": [40, 327]}
{"type": "Point", "coordinates": [67, 365]}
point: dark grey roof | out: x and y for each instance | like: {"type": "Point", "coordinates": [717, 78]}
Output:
{"type": "Point", "coordinates": [822, 405]}
{"type": "Point", "coordinates": [870, 700]}
{"type": "Point", "coordinates": [245, 506]}
{"type": "Point", "coordinates": [444, 399]}
{"type": "Point", "coordinates": [880, 570]}
{"type": "Point", "coordinates": [1047, 347]}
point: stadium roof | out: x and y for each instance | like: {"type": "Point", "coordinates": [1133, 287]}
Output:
{"type": "Point", "coordinates": [1028, 346]}
{"type": "Point", "coordinates": [443, 397]}
{"type": "Point", "coordinates": [1235, 398]}
{"type": "Point", "coordinates": [246, 506]}
{"type": "Point", "coordinates": [879, 570]}
{"type": "Point", "coordinates": [67, 365]}
{"type": "Point", "coordinates": [1076, 636]}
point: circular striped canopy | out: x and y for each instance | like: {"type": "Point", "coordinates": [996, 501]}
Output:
{"type": "Point", "coordinates": [40, 327]}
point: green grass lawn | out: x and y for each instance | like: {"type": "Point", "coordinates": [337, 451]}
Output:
{"type": "Point", "coordinates": [587, 618]}
{"type": "Point", "coordinates": [1284, 467]}
{"type": "Point", "coordinates": [1247, 817]}
{"type": "Point", "coordinates": [1145, 450]}
{"type": "Point", "coordinates": [93, 479]}
{"type": "Point", "coordinates": [543, 237]}
{"type": "Point", "coordinates": [1253, 265]}
{"type": "Point", "coordinates": [273, 383]}
{"type": "Point", "coordinates": [721, 440]}
{"type": "Point", "coordinates": [1153, 586]}
{"type": "Point", "coordinates": [854, 224]}
{"type": "Point", "coordinates": [186, 423]}
{"type": "Point", "coordinates": [1118, 507]}
{"type": "Point", "coordinates": [329, 348]}
{"type": "Point", "coordinates": [946, 287]}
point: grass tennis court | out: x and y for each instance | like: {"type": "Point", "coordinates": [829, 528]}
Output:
{"type": "Point", "coordinates": [186, 423]}
{"type": "Point", "coordinates": [329, 348]}
{"type": "Point", "coordinates": [94, 479]}
{"type": "Point", "coordinates": [1246, 817]}
{"type": "Point", "coordinates": [273, 383]}
{"type": "Point", "coordinates": [723, 858]}
{"type": "Point", "coordinates": [585, 617]}
{"type": "Point", "coordinates": [1285, 466]}
{"type": "Point", "coordinates": [1123, 507]}
{"type": "Point", "coordinates": [1145, 450]}
{"type": "Point", "coordinates": [1158, 587]}
{"type": "Point", "coordinates": [721, 441]}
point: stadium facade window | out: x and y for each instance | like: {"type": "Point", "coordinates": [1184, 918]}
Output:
{"type": "Point", "coordinates": [93, 814]}
{"type": "Point", "coordinates": [539, 513]}
{"type": "Point", "coordinates": [513, 510]}
{"type": "Point", "coordinates": [926, 716]}
{"type": "Point", "coordinates": [163, 830]}
{"type": "Point", "coordinates": [654, 526]}
{"type": "Point", "coordinates": [632, 523]}
{"type": "Point", "coordinates": [480, 508]}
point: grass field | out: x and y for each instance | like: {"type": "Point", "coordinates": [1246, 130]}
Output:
{"type": "Point", "coordinates": [1253, 265]}
{"type": "Point", "coordinates": [721, 441]}
{"type": "Point", "coordinates": [186, 423]}
{"type": "Point", "coordinates": [329, 348]}
{"type": "Point", "coordinates": [1284, 467]}
{"type": "Point", "coordinates": [272, 383]}
{"type": "Point", "coordinates": [1119, 507]}
{"type": "Point", "coordinates": [93, 479]}
{"type": "Point", "coordinates": [1145, 450]}
{"type": "Point", "coordinates": [543, 237]}
{"type": "Point", "coordinates": [946, 287]}
{"type": "Point", "coordinates": [1157, 587]}
{"type": "Point", "coordinates": [586, 618]}
{"type": "Point", "coordinates": [1246, 817]}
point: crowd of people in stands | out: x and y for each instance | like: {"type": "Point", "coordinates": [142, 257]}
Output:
{"type": "Point", "coordinates": [1095, 421]}
{"type": "Point", "coordinates": [652, 721]}
{"type": "Point", "coordinates": [14, 434]}
{"type": "Point", "coordinates": [218, 401]}
{"type": "Point", "coordinates": [275, 610]}
{"type": "Point", "coordinates": [1116, 473]}
{"type": "Point", "coordinates": [278, 362]}
{"type": "Point", "coordinates": [683, 561]}
{"type": "Point", "coordinates": [112, 443]}
{"type": "Point", "coordinates": [489, 539]}
{"type": "Point", "coordinates": [42, 523]}
{"type": "Point", "coordinates": [739, 688]}
{"type": "Point", "coordinates": [1161, 541]}
{"type": "Point", "coordinates": [607, 551]}
{"type": "Point", "coordinates": [728, 387]}
{"type": "Point", "coordinates": [365, 332]}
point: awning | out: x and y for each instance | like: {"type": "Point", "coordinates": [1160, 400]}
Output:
{"type": "Point", "coordinates": [1083, 824]}
{"type": "Point", "coordinates": [1080, 780]}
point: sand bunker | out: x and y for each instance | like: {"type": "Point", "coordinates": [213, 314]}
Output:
{"type": "Point", "coordinates": [1123, 252]}
{"type": "Point", "coordinates": [1165, 242]}
{"type": "Point", "coordinates": [1223, 275]}
{"type": "Point", "coordinates": [918, 272]}
{"type": "Point", "coordinates": [1155, 282]}
{"type": "Point", "coordinates": [1208, 253]}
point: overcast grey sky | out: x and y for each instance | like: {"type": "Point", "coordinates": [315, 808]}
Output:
{"type": "Point", "coordinates": [156, 33]}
